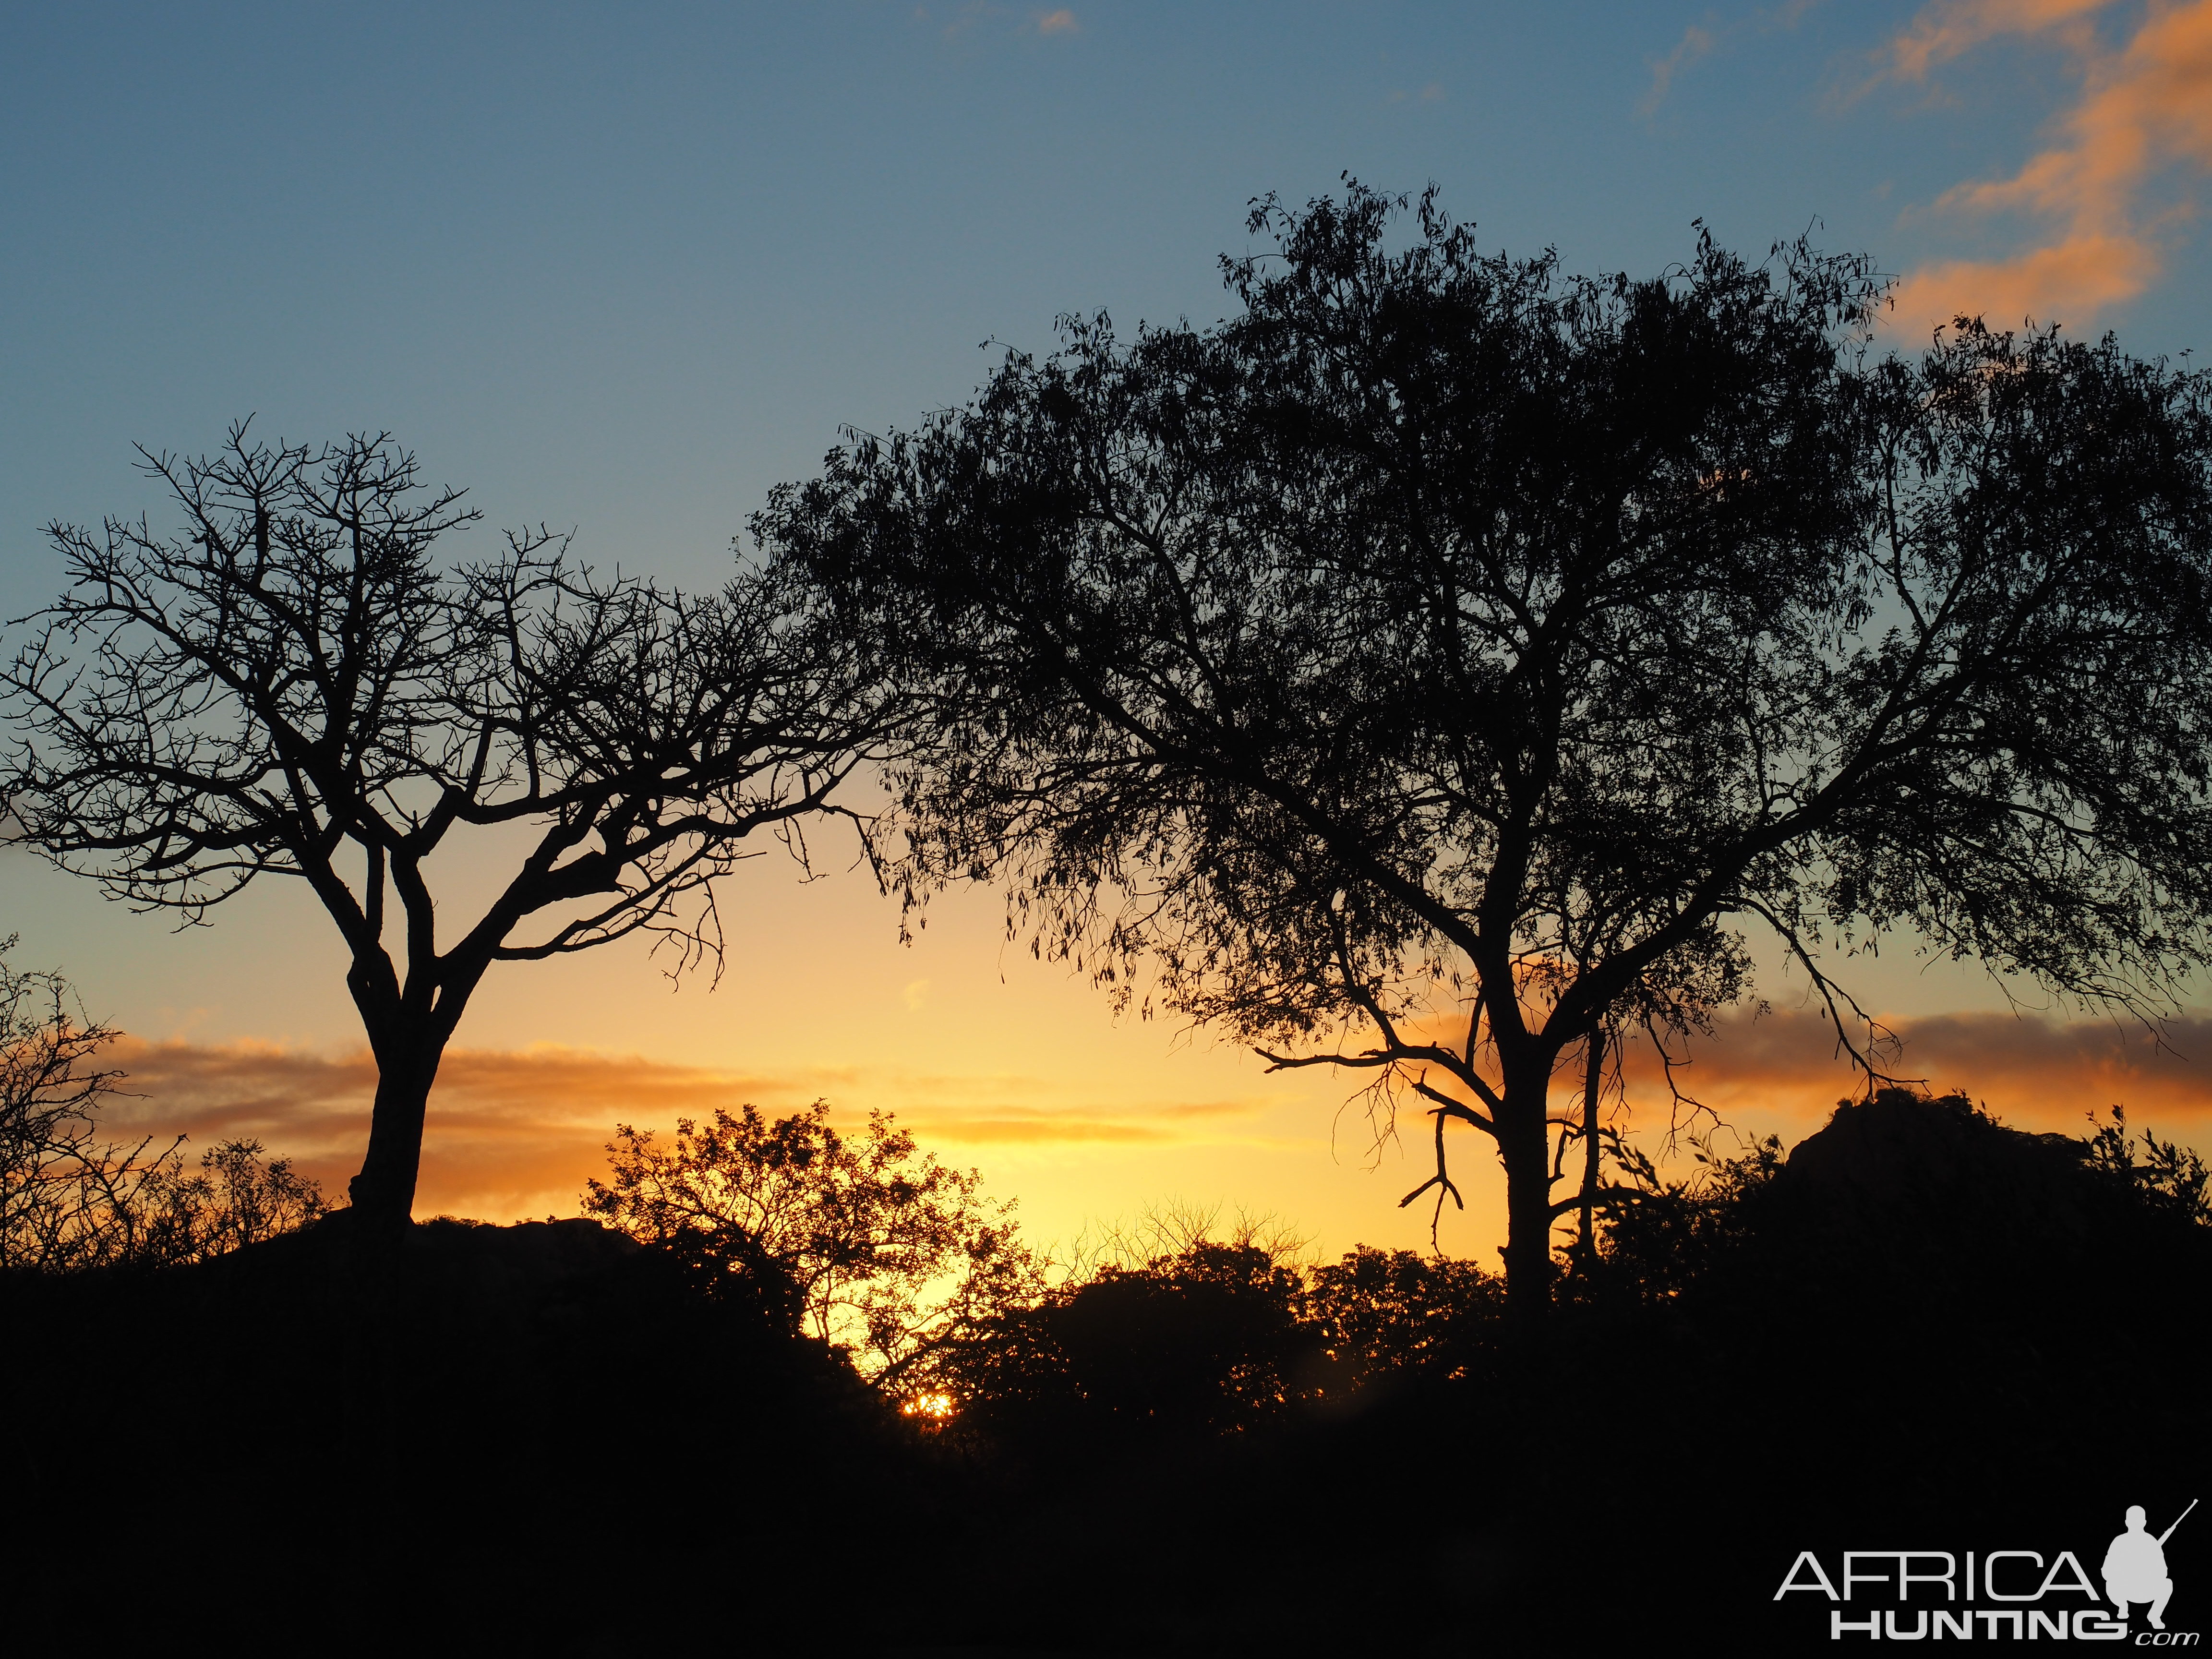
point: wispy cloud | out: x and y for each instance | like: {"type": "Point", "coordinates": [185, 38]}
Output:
{"type": "Point", "coordinates": [2145, 115]}
{"type": "Point", "coordinates": [2033, 1072]}
{"type": "Point", "coordinates": [990, 17]}
{"type": "Point", "coordinates": [1783, 1071]}
{"type": "Point", "coordinates": [1945, 32]}
{"type": "Point", "coordinates": [1701, 40]}
{"type": "Point", "coordinates": [1697, 42]}
{"type": "Point", "coordinates": [519, 1132]}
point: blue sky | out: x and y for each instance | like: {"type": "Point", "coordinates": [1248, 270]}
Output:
{"type": "Point", "coordinates": [623, 268]}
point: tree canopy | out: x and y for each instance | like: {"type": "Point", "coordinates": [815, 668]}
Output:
{"type": "Point", "coordinates": [1436, 667]}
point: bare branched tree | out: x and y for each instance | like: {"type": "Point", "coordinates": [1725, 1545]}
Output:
{"type": "Point", "coordinates": [293, 685]}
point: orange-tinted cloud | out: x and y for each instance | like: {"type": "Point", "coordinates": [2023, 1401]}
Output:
{"type": "Point", "coordinates": [1784, 1071]}
{"type": "Point", "coordinates": [2144, 116]}
{"type": "Point", "coordinates": [2034, 1072]}
{"type": "Point", "coordinates": [1944, 31]}
{"type": "Point", "coordinates": [518, 1133]}
{"type": "Point", "coordinates": [509, 1133]}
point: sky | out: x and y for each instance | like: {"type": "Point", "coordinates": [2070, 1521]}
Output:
{"type": "Point", "coordinates": [623, 269]}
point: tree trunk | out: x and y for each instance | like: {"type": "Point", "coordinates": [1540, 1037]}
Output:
{"type": "Point", "coordinates": [385, 1188]}
{"type": "Point", "coordinates": [1524, 1146]}
{"type": "Point", "coordinates": [1593, 1082]}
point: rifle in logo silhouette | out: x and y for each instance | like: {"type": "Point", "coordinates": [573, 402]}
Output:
{"type": "Point", "coordinates": [2177, 1519]}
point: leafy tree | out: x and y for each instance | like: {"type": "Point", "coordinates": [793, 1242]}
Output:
{"type": "Point", "coordinates": [292, 685]}
{"type": "Point", "coordinates": [1435, 668]}
{"type": "Point", "coordinates": [1388, 1311]}
{"type": "Point", "coordinates": [1210, 1339]}
{"type": "Point", "coordinates": [862, 1241]}
{"type": "Point", "coordinates": [1209, 1335]}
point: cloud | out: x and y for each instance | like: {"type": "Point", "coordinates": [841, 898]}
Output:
{"type": "Point", "coordinates": [510, 1133]}
{"type": "Point", "coordinates": [1783, 1071]}
{"type": "Point", "coordinates": [515, 1133]}
{"type": "Point", "coordinates": [1060, 21]}
{"type": "Point", "coordinates": [2144, 116]}
{"type": "Point", "coordinates": [1942, 33]}
{"type": "Point", "coordinates": [518, 1133]}
{"type": "Point", "coordinates": [2033, 1072]}
{"type": "Point", "coordinates": [1695, 42]}
{"type": "Point", "coordinates": [1701, 40]}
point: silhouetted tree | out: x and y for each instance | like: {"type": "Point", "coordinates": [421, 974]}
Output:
{"type": "Point", "coordinates": [1450, 650]}
{"type": "Point", "coordinates": [1207, 1340]}
{"type": "Point", "coordinates": [2166, 1175]}
{"type": "Point", "coordinates": [292, 685]}
{"type": "Point", "coordinates": [863, 1241]}
{"type": "Point", "coordinates": [1389, 1311]}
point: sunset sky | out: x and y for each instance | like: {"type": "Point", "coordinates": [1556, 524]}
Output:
{"type": "Point", "coordinates": [625, 268]}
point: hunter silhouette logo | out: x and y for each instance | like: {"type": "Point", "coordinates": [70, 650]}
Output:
{"type": "Point", "coordinates": [1996, 1595]}
{"type": "Point", "coordinates": [2135, 1566]}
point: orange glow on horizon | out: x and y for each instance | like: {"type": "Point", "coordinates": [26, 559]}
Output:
{"type": "Point", "coordinates": [515, 1134]}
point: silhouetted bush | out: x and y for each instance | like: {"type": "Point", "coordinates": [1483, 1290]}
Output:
{"type": "Point", "coordinates": [66, 1196]}
{"type": "Point", "coordinates": [237, 1198]}
{"type": "Point", "coordinates": [865, 1242]}
{"type": "Point", "coordinates": [72, 1200]}
{"type": "Point", "coordinates": [1207, 1341]}
{"type": "Point", "coordinates": [1388, 1313]}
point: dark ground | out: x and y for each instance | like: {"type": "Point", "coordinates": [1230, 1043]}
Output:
{"type": "Point", "coordinates": [1926, 1332]}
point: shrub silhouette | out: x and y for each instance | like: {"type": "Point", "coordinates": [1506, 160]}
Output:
{"type": "Point", "coordinates": [1206, 1341]}
{"type": "Point", "coordinates": [72, 1200]}
{"type": "Point", "coordinates": [863, 1241]}
{"type": "Point", "coordinates": [238, 1198]}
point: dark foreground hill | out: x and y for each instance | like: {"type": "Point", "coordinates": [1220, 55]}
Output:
{"type": "Point", "coordinates": [535, 1437]}
{"type": "Point", "coordinates": [1923, 1331]}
